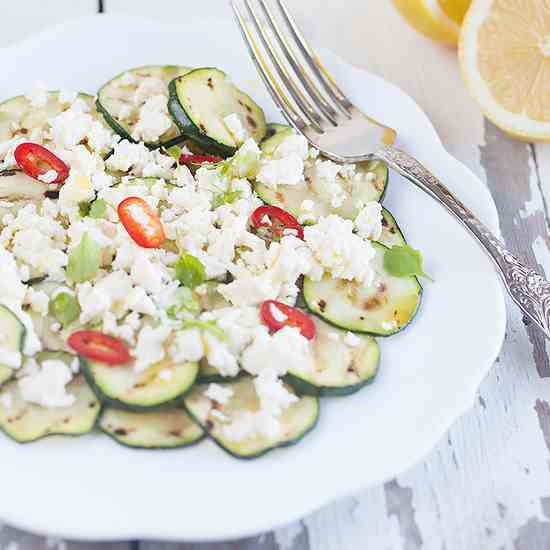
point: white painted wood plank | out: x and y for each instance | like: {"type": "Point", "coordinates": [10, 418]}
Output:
{"type": "Point", "coordinates": [21, 19]}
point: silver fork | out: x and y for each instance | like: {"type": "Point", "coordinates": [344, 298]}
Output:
{"type": "Point", "coordinates": [313, 103]}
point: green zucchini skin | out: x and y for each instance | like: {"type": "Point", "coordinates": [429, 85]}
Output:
{"type": "Point", "coordinates": [361, 364]}
{"type": "Point", "coordinates": [181, 432]}
{"type": "Point", "coordinates": [317, 299]}
{"type": "Point", "coordinates": [209, 427]}
{"type": "Point", "coordinates": [391, 232]}
{"type": "Point", "coordinates": [209, 80]}
{"type": "Point", "coordinates": [111, 400]}
{"type": "Point", "coordinates": [188, 128]}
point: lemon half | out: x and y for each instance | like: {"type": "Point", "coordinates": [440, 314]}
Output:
{"type": "Point", "coordinates": [436, 19]}
{"type": "Point", "coordinates": [505, 60]}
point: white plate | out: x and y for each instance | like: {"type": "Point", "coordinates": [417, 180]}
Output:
{"type": "Point", "coordinates": [90, 488]}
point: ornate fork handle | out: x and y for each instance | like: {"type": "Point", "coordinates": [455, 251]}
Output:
{"type": "Point", "coordinates": [528, 289]}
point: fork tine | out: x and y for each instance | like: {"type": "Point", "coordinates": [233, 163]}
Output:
{"type": "Point", "coordinates": [310, 86]}
{"type": "Point", "coordinates": [330, 86]}
{"type": "Point", "coordinates": [303, 103]}
{"type": "Point", "coordinates": [278, 96]}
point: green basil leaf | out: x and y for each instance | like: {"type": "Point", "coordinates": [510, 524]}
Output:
{"type": "Point", "coordinates": [64, 308]}
{"type": "Point", "coordinates": [83, 209]}
{"type": "Point", "coordinates": [189, 271]}
{"type": "Point", "coordinates": [404, 261]}
{"type": "Point", "coordinates": [208, 326]}
{"type": "Point", "coordinates": [227, 197]}
{"type": "Point", "coordinates": [84, 260]}
{"type": "Point", "coordinates": [98, 209]}
{"type": "Point", "coordinates": [174, 152]}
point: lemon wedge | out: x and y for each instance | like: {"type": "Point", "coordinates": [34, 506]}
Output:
{"type": "Point", "coordinates": [505, 60]}
{"type": "Point", "coordinates": [436, 19]}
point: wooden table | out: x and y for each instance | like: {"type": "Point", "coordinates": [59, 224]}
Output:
{"type": "Point", "coordinates": [486, 486]}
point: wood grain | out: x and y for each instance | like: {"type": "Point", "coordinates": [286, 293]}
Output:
{"type": "Point", "coordinates": [487, 484]}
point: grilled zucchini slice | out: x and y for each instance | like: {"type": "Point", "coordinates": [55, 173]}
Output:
{"type": "Point", "coordinates": [297, 420]}
{"type": "Point", "coordinates": [167, 429]}
{"type": "Point", "coordinates": [382, 309]}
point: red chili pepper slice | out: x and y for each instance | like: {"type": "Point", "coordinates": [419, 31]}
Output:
{"type": "Point", "coordinates": [36, 160]}
{"type": "Point", "coordinates": [99, 347]}
{"type": "Point", "coordinates": [270, 309]}
{"type": "Point", "coordinates": [199, 159]}
{"type": "Point", "coordinates": [279, 220]}
{"type": "Point", "coordinates": [142, 222]}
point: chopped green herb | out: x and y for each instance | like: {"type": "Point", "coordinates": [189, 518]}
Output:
{"type": "Point", "coordinates": [174, 152]}
{"type": "Point", "coordinates": [185, 301]}
{"type": "Point", "coordinates": [84, 260]}
{"type": "Point", "coordinates": [227, 197]}
{"type": "Point", "coordinates": [83, 209]}
{"type": "Point", "coordinates": [189, 271]}
{"type": "Point", "coordinates": [403, 261]}
{"type": "Point", "coordinates": [208, 326]}
{"type": "Point", "coordinates": [98, 209]}
{"type": "Point", "coordinates": [64, 307]}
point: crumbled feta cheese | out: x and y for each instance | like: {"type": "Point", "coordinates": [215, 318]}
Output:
{"type": "Point", "coordinates": [38, 96]}
{"type": "Point", "coordinates": [75, 190]}
{"type": "Point", "coordinates": [339, 251]}
{"type": "Point", "coordinates": [277, 314]}
{"type": "Point", "coordinates": [219, 356]}
{"type": "Point", "coordinates": [140, 160]}
{"type": "Point", "coordinates": [236, 128]}
{"type": "Point", "coordinates": [67, 96]}
{"type": "Point", "coordinates": [10, 358]}
{"type": "Point", "coordinates": [166, 375]}
{"type": "Point", "coordinates": [334, 336]}
{"type": "Point", "coordinates": [285, 171]}
{"type": "Point", "coordinates": [274, 397]}
{"type": "Point", "coordinates": [187, 346]}
{"type": "Point", "coordinates": [285, 349]}
{"type": "Point", "coordinates": [369, 221]}
{"type": "Point", "coordinates": [38, 300]}
{"type": "Point", "coordinates": [150, 346]}
{"type": "Point", "coordinates": [6, 400]}
{"type": "Point", "coordinates": [147, 87]}
{"type": "Point", "coordinates": [352, 340]}
{"type": "Point", "coordinates": [218, 393]}
{"type": "Point", "coordinates": [327, 170]}
{"type": "Point", "coordinates": [48, 177]}
{"type": "Point", "coordinates": [47, 387]}
{"type": "Point", "coordinates": [153, 119]}
{"type": "Point", "coordinates": [389, 325]}
{"type": "Point", "coordinates": [218, 415]}
{"type": "Point", "coordinates": [292, 145]}
{"type": "Point", "coordinates": [370, 177]}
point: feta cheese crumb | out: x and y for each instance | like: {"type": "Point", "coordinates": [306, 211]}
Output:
{"type": "Point", "coordinates": [285, 171]}
{"type": "Point", "coordinates": [219, 415]}
{"type": "Point", "coordinates": [369, 221]}
{"type": "Point", "coordinates": [165, 374]}
{"type": "Point", "coordinates": [38, 96]}
{"type": "Point", "coordinates": [339, 251]}
{"type": "Point", "coordinates": [150, 346]}
{"type": "Point", "coordinates": [389, 325]}
{"type": "Point", "coordinates": [236, 128]}
{"type": "Point", "coordinates": [9, 358]}
{"type": "Point", "coordinates": [352, 340]}
{"type": "Point", "coordinates": [292, 145]}
{"type": "Point", "coordinates": [47, 386]}
{"type": "Point", "coordinates": [218, 393]}
{"type": "Point", "coordinates": [6, 400]}
{"type": "Point", "coordinates": [277, 314]}
{"type": "Point", "coordinates": [334, 336]}
{"type": "Point", "coordinates": [48, 177]}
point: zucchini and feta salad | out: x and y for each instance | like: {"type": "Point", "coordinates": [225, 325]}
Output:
{"type": "Point", "coordinates": [174, 268]}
